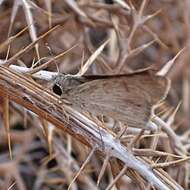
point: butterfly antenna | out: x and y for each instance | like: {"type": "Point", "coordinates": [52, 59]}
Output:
{"type": "Point", "coordinates": [51, 53]}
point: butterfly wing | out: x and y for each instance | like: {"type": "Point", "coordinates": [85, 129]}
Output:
{"type": "Point", "coordinates": [126, 98]}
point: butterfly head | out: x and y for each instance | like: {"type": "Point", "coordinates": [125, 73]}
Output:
{"type": "Point", "coordinates": [63, 83]}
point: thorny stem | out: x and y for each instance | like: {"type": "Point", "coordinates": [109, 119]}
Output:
{"type": "Point", "coordinates": [173, 137]}
{"type": "Point", "coordinates": [117, 177]}
{"type": "Point", "coordinates": [27, 48]}
{"type": "Point", "coordinates": [82, 167]}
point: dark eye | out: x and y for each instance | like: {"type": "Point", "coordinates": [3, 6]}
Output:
{"type": "Point", "coordinates": [57, 89]}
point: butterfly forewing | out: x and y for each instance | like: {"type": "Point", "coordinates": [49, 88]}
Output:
{"type": "Point", "coordinates": [125, 98]}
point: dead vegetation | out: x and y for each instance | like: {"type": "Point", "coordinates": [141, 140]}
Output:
{"type": "Point", "coordinates": [46, 144]}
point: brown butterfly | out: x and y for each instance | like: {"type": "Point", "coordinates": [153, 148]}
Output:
{"type": "Point", "coordinates": [127, 98]}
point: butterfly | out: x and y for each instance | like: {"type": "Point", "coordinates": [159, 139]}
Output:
{"type": "Point", "coordinates": [128, 98]}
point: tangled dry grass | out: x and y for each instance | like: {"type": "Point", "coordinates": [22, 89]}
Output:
{"type": "Point", "coordinates": [45, 145]}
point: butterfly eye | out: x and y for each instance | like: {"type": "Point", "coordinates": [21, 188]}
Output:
{"type": "Point", "coordinates": [57, 89]}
